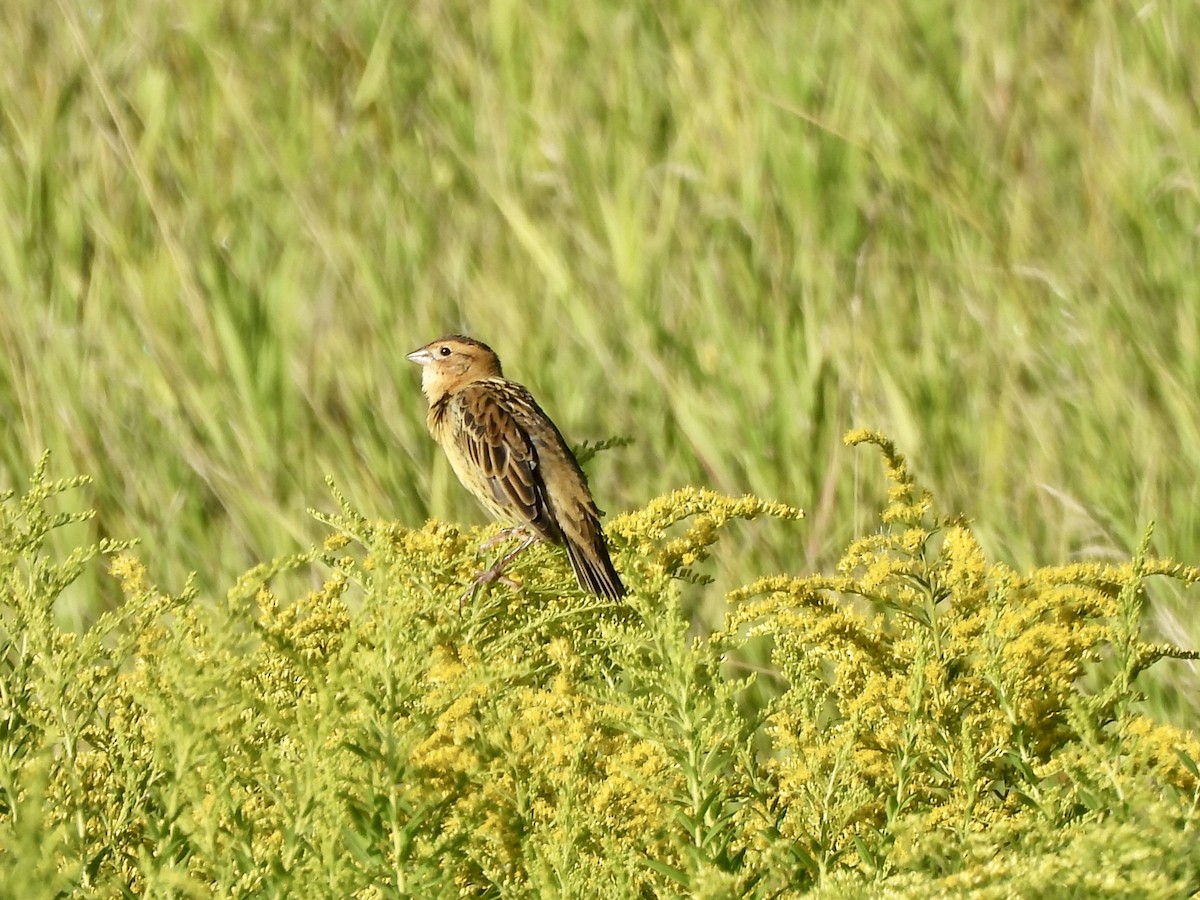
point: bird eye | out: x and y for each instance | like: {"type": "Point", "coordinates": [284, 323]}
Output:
{"type": "Point", "coordinates": [445, 351]}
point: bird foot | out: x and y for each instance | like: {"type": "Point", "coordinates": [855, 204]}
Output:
{"type": "Point", "coordinates": [483, 579]}
{"type": "Point", "coordinates": [496, 571]}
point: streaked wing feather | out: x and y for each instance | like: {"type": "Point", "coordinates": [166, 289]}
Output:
{"type": "Point", "coordinates": [494, 439]}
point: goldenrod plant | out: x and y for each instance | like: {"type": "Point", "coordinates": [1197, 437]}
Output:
{"type": "Point", "coordinates": [933, 723]}
{"type": "Point", "coordinates": [933, 698]}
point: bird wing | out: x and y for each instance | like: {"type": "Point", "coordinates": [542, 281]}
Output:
{"type": "Point", "coordinates": [520, 466]}
{"type": "Point", "coordinates": [495, 437]}
{"type": "Point", "coordinates": [571, 504]}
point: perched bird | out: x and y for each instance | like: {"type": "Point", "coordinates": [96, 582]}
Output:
{"type": "Point", "coordinates": [512, 458]}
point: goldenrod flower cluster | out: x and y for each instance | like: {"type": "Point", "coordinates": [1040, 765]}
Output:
{"type": "Point", "coordinates": [929, 687]}
{"type": "Point", "coordinates": [921, 717]}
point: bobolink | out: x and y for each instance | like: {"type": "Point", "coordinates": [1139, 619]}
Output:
{"type": "Point", "coordinates": [512, 458]}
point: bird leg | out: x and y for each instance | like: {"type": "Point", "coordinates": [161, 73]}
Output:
{"type": "Point", "coordinates": [496, 571]}
{"type": "Point", "coordinates": [517, 531]}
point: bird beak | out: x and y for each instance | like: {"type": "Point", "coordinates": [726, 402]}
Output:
{"type": "Point", "coordinates": [420, 357]}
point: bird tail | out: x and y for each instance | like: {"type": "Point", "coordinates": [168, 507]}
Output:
{"type": "Point", "coordinates": [593, 567]}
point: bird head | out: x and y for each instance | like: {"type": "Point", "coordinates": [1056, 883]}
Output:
{"type": "Point", "coordinates": [452, 361]}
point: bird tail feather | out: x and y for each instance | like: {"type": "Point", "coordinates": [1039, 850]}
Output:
{"type": "Point", "coordinates": [594, 569]}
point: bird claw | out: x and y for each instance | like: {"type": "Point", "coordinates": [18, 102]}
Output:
{"type": "Point", "coordinates": [486, 577]}
{"type": "Point", "coordinates": [496, 571]}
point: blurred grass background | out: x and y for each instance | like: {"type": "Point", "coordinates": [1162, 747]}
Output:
{"type": "Point", "coordinates": [729, 230]}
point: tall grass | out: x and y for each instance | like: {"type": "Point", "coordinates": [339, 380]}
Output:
{"type": "Point", "coordinates": [728, 231]}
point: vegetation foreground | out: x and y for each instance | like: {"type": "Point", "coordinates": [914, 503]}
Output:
{"type": "Point", "coordinates": [920, 722]}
